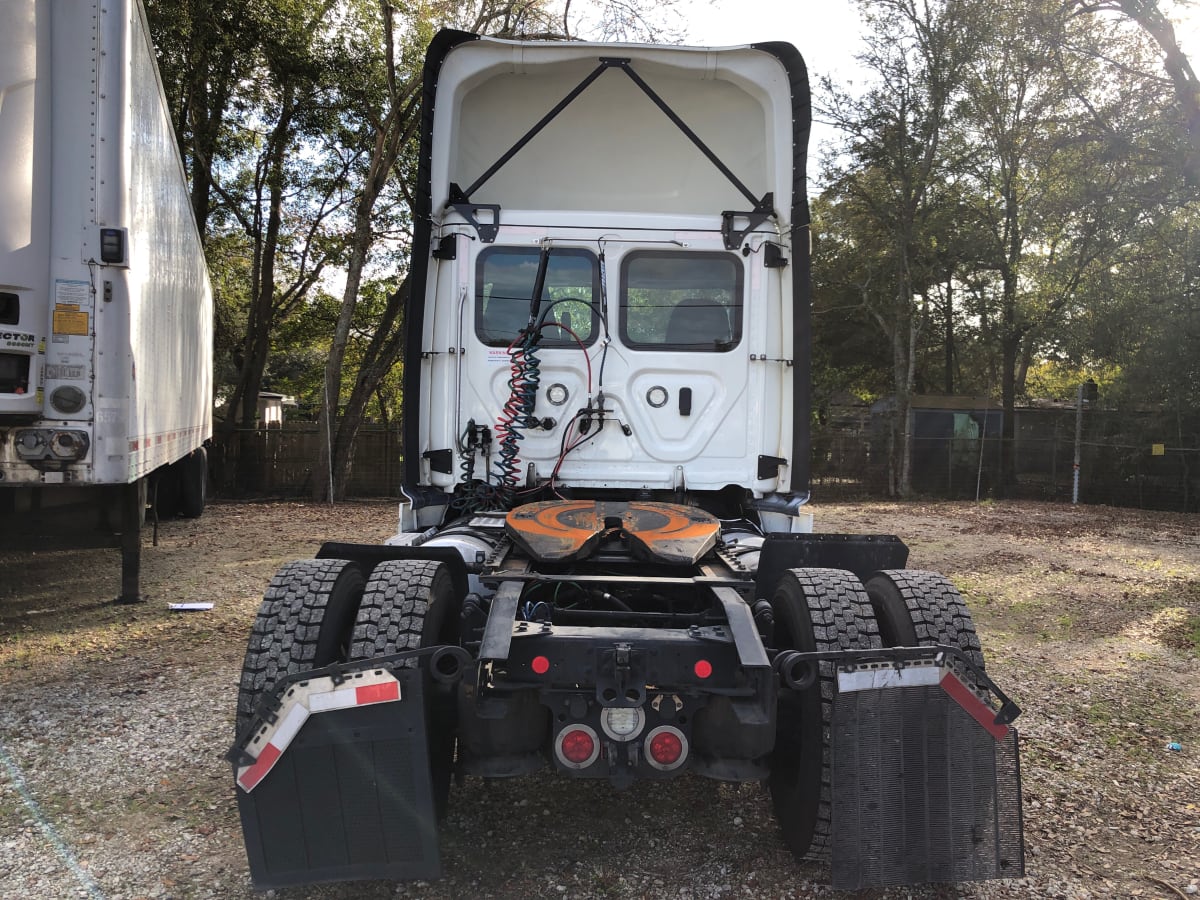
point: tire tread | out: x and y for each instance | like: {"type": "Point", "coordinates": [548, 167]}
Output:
{"type": "Point", "coordinates": [842, 619]}
{"type": "Point", "coordinates": [284, 636]}
{"type": "Point", "coordinates": [939, 613]}
{"type": "Point", "coordinates": [395, 603]}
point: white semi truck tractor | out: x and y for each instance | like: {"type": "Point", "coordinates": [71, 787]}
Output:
{"type": "Point", "coordinates": [603, 569]}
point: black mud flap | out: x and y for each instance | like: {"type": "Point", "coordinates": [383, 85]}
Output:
{"type": "Point", "coordinates": [862, 554]}
{"type": "Point", "coordinates": [334, 792]}
{"type": "Point", "coordinates": [926, 787]}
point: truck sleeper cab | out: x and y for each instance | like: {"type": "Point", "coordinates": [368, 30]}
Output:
{"type": "Point", "coordinates": [602, 565]}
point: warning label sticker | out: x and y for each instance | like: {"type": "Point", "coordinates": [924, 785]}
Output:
{"type": "Point", "coordinates": [76, 294]}
{"type": "Point", "coordinates": [70, 321]}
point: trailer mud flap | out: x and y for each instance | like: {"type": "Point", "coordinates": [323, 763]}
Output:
{"type": "Point", "coordinates": [337, 787]}
{"type": "Point", "coordinates": [926, 786]}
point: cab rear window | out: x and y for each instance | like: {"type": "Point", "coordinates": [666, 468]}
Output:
{"type": "Point", "coordinates": [681, 301]}
{"type": "Point", "coordinates": [504, 282]}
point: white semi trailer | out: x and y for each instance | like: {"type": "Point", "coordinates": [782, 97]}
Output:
{"type": "Point", "coordinates": [105, 305]}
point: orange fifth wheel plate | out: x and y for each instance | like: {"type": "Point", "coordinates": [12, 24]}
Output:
{"type": "Point", "coordinates": [562, 531]}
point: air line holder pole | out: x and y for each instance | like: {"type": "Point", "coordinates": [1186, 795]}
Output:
{"type": "Point", "coordinates": [1078, 439]}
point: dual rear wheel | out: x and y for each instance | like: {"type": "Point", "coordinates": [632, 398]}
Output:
{"type": "Point", "coordinates": [830, 609]}
{"type": "Point", "coordinates": [322, 611]}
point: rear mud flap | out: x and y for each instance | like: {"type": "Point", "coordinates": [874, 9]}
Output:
{"type": "Point", "coordinates": [348, 794]}
{"type": "Point", "coordinates": [926, 787]}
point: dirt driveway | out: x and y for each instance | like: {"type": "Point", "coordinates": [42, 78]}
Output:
{"type": "Point", "coordinates": [113, 721]}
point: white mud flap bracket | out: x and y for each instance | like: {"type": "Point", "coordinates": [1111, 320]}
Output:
{"type": "Point", "coordinates": [334, 784]}
{"type": "Point", "coordinates": [926, 778]}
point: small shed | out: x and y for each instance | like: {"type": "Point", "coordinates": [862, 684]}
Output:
{"type": "Point", "coordinates": [951, 435]}
{"type": "Point", "coordinates": [270, 408]}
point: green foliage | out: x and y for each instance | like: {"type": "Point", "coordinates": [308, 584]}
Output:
{"type": "Point", "coordinates": [1050, 240]}
{"type": "Point", "coordinates": [1055, 380]}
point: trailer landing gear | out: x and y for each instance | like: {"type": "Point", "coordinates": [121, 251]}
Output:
{"type": "Point", "coordinates": [133, 516]}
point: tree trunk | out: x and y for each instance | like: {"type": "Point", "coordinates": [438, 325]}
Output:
{"type": "Point", "coordinates": [395, 129]}
{"type": "Point", "coordinates": [382, 354]}
{"type": "Point", "coordinates": [1010, 346]}
{"type": "Point", "coordinates": [903, 358]}
{"type": "Point", "coordinates": [331, 395]}
{"type": "Point", "coordinates": [257, 344]}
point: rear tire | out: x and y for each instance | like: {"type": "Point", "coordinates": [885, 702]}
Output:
{"type": "Point", "coordinates": [920, 609]}
{"type": "Point", "coordinates": [303, 623]}
{"type": "Point", "coordinates": [815, 610]}
{"type": "Point", "coordinates": [193, 483]}
{"type": "Point", "coordinates": [164, 492]}
{"type": "Point", "coordinates": [409, 604]}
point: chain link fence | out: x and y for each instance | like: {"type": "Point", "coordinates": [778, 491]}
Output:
{"type": "Point", "coordinates": [1137, 460]}
{"type": "Point", "coordinates": [1140, 459]}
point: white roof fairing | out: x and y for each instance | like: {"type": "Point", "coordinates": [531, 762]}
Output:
{"type": "Point", "coordinates": [612, 148]}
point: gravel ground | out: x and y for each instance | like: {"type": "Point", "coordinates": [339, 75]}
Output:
{"type": "Point", "coordinates": [114, 720]}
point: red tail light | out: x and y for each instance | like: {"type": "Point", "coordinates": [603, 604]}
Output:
{"type": "Point", "coordinates": [666, 748]}
{"type": "Point", "coordinates": [577, 746]}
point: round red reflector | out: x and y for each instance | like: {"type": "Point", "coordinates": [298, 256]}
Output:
{"type": "Point", "coordinates": [666, 748]}
{"type": "Point", "coordinates": [703, 668]}
{"type": "Point", "coordinates": [577, 746]}
{"type": "Point", "coordinates": [540, 664]}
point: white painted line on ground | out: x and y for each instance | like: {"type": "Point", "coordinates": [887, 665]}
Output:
{"type": "Point", "coordinates": [86, 881]}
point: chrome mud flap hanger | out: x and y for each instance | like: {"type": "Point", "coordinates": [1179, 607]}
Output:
{"type": "Point", "coordinates": [460, 200]}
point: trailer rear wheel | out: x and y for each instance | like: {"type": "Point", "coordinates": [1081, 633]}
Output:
{"type": "Point", "coordinates": [409, 604]}
{"type": "Point", "coordinates": [193, 483]}
{"type": "Point", "coordinates": [815, 610]}
{"type": "Point", "coordinates": [304, 623]}
{"type": "Point", "coordinates": [164, 492]}
{"type": "Point", "coordinates": [917, 608]}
